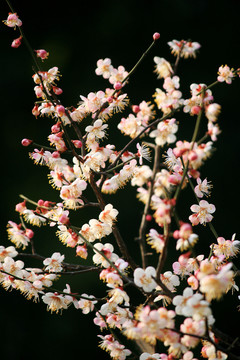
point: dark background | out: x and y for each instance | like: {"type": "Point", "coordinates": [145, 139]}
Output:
{"type": "Point", "coordinates": [77, 34]}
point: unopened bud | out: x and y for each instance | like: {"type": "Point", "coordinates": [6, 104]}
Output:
{"type": "Point", "coordinates": [156, 36]}
{"type": "Point", "coordinates": [148, 217]}
{"type": "Point", "coordinates": [56, 128]}
{"type": "Point", "coordinates": [26, 142]}
{"type": "Point", "coordinates": [117, 85]}
{"type": "Point", "coordinates": [29, 233]}
{"type": "Point", "coordinates": [17, 42]}
{"type": "Point", "coordinates": [195, 110]}
{"type": "Point", "coordinates": [60, 110]}
{"type": "Point", "coordinates": [57, 90]}
{"type": "Point", "coordinates": [77, 143]}
{"type": "Point", "coordinates": [135, 109]}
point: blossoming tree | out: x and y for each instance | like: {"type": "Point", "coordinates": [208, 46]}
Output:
{"type": "Point", "coordinates": [172, 315]}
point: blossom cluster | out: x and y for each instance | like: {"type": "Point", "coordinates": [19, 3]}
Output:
{"type": "Point", "coordinates": [174, 303]}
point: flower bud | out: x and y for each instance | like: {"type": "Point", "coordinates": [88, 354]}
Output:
{"type": "Point", "coordinates": [57, 90]}
{"type": "Point", "coordinates": [156, 36]}
{"type": "Point", "coordinates": [117, 85]}
{"type": "Point", "coordinates": [195, 110]}
{"type": "Point", "coordinates": [35, 111]}
{"type": "Point", "coordinates": [20, 207]}
{"type": "Point", "coordinates": [135, 109]}
{"type": "Point", "coordinates": [60, 109]}
{"type": "Point", "coordinates": [56, 128]}
{"type": "Point", "coordinates": [17, 42]}
{"type": "Point", "coordinates": [29, 233]}
{"type": "Point", "coordinates": [77, 143]}
{"type": "Point", "coordinates": [26, 142]}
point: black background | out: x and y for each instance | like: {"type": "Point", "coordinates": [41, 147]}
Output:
{"type": "Point", "coordinates": [77, 34]}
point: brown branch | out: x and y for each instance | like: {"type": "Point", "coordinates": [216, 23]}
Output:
{"type": "Point", "coordinates": [163, 255]}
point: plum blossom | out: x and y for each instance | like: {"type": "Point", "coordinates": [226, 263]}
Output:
{"type": "Point", "coordinates": [71, 194]}
{"type": "Point", "coordinates": [213, 284]}
{"type": "Point", "coordinates": [86, 303]}
{"type": "Point", "coordinates": [8, 251]}
{"type": "Point", "coordinates": [54, 263]}
{"type": "Point", "coordinates": [184, 48]}
{"type": "Point", "coordinates": [212, 112]}
{"type": "Point", "coordinates": [203, 188]}
{"type": "Point", "coordinates": [108, 215]}
{"type": "Point", "coordinates": [142, 175]}
{"type": "Point", "coordinates": [185, 237]}
{"type": "Point", "coordinates": [42, 54]}
{"type": "Point", "coordinates": [193, 305]}
{"type": "Point", "coordinates": [104, 68]}
{"type": "Point", "coordinates": [225, 74]}
{"type": "Point", "coordinates": [209, 351]}
{"type": "Point", "coordinates": [156, 240]}
{"type": "Point", "coordinates": [165, 132]}
{"type": "Point", "coordinates": [156, 356]}
{"type": "Point", "coordinates": [131, 125]}
{"type": "Point", "coordinates": [115, 349]}
{"type": "Point", "coordinates": [96, 130]}
{"type": "Point", "coordinates": [13, 20]}
{"type": "Point", "coordinates": [143, 153]}
{"type": "Point", "coordinates": [55, 302]}
{"type": "Point", "coordinates": [163, 68]}
{"type": "Point", "coordinates": [118, 75]}
{"type": "Point", "coordinates": [213, 130]}
{"type": "Point", "coordinates": [202, 212]}
{"type": "Point", "coordinates": [17, 235]}
{"type": "Point", "coordinates": [226, 248]}
{"type": "Point", "coordinates": [107, 250]}
{"type": "Point", "coordinates": [191, 326]}
{"type": "Point", "coordinates": [144, 278]}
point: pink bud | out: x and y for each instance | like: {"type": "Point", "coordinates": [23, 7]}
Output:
{"type": "Point", "coordinates": [35, 111]}
{"type": "Point", "coordinates": [110, 99]}
{"type": "Point", "coordinates": [148, 217]}
{"type": "Point", "coordinates": [195, 110]}
{"type": "Point", "coordinates": [117, 85]}
{"type": "Point", "coordinates": [56, 128]}
{"type": "Point", "coordinates": [156, 36]}
{"type": "Point", "coordinates": [40, 202]}
{"type": "Point", "coordinates": [17, 42]}
{"type": "Point", "coordinates": [60, 110]}
{"type": "Point", "coordinates": [135, 109]}
{"type": "Point", "coordinates": [184, 257]}
{"type": "Point", "coordinates": [55, 155]}
{"type": "Point", "coordinates": [178, 152]}
{"type": "Point", "coordinates": [77, 143]}
{"type": "Point", "coordinates": [20, 207]}
{"type": "Point", "coordinates": [176, 234]}
{"type": "Point", "coordinates": [26, 142]}
{"type": "Point", "coordinates": [29, 233]}
{"type": "Point", "coordinates": [186, 227]}
{"type": "Point", "coordinates": [48, 203]}
{"type": "Point", "coordinates": [57, 90]}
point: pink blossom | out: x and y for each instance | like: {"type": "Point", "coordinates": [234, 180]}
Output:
{"type": "Point", "coordinates": [202, 212]}
{"type": "Point", "coordinates": [13, 20]}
